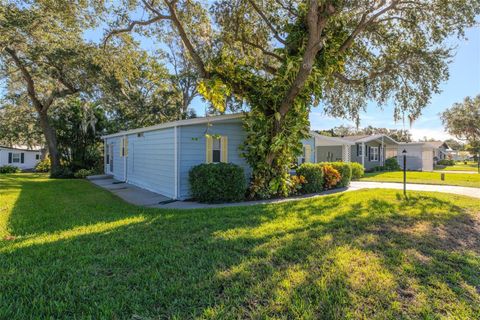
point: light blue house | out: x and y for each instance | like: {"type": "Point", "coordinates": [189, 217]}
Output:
{"type": "Point", "coordinates": [158, 158]}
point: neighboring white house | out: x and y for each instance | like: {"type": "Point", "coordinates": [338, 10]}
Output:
{"type": "Point", "coordinates": [19, 156]}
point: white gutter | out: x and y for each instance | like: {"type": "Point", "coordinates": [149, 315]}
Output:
{"type": "Point", "coordinates": [178, 123]}
{"type": "Point", "coordinates": [125, 178]}
{"type": "Point", "coordinates": [175, 157]}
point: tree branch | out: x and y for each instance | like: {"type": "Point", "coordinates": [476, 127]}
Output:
{"type": "Point", "coordinates": [132, 25]}
{"type": "Point", "coordinates": [364, 22]}
{"type": "Point", "coordinates": [186, 41]}
{"type": "Point", "coordinates": [264, 51]}
{"type": "Point", "coordinates": [267, 22]}
{"type": "Point", "coordinates": [316, 22]}
{"type": "Point", "coordinates": [28, 79]}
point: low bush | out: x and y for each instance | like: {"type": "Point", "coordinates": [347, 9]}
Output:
{"type": "Point", "coordinates": [378, 168]}
{"type": "Point", "coordinates": [391, 164]}
{"type": "Point", "coordinates": [446, 162]}
{"type": "Point", "coordinates": [331, 176]}
{"type": "Point", "coordinates": [43, 165]}
{"type": "Point", "coordinates": [296, 185]}
{"type": "Point", "coordinates": [83, 173]}
{"type": "Point", "coordinates": [313, 174]}
{"type": "Point", "coordinates": [357, 170]}
{"type": "Point", "coordinates": [9, 169]}
{"type": "Point", "coordinates": [345, 171]}
{"type": "Point", "coordinates": [62, 173]}
{"type": "Point", "coordinates": [217, 183]}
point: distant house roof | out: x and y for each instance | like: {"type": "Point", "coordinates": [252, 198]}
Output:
{"type": "Point", "coordinates": [178, 123]}
{"type": "Point", "coordinates": [22, 148]}
{"type": "Point", "coordinates": [331, 140]}
{"type": "Point", "coordinates": [368, 138]}
{"type": "Point", "coordinates": [437, 144]}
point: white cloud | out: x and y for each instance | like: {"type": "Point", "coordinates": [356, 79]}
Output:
{"type": "Point", "coordinates": [435, 133]}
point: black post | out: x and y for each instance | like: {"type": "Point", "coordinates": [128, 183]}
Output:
{"type": "Point", "coordinates": [404, 173]}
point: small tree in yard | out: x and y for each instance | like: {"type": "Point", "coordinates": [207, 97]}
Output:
{"type": "Point", "coordinates": [462, 120]}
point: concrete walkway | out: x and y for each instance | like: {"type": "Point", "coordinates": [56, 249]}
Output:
{"type": "Point", "coordinates": [142, 197]}
{"type": "Point", "coordinates": [464, 191]}
{"type": "Point", "coordinates": [450, 171]}
{"type": "Point", "coordinates": [129, 193]}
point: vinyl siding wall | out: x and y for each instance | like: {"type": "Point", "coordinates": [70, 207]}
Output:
{"type": "Point", "coordinates": [414, 157]}
{"type": "Point", "coordinates": [322, 153]}
{"type": "Point", "coordinates": [192, 149]}
{"type": "Point", "coordinates": [368, 163]}
{"type": "Point", "coordinates": [29, 158]}
{"type": "Point", "coordinates": [150, 161]}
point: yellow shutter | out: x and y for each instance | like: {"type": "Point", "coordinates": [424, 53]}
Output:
{"type": "Point", "coordinates": [308, 152]}
{"type": "Point", "coordinates": [208, 149]}
{"type": "Point", "coordinates": [224, 146]}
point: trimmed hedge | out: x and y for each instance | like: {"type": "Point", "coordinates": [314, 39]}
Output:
{"type": "Point", "coordinates": [9, 169]}
{"type": "Point", "coordinates": [357, 170]}
{"type": "Point", "coordinates": [345, 171]}
{"type": "Point", "coordinates": [391, 164]}
{"type": "Point", "coordinates": [446, 162]}
{"type": "Point", "coordinates": [313, 174]}
{"type": "Point", "coordinates": [217, 183]}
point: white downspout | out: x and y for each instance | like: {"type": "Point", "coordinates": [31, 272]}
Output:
{"type": "Point", "coordinates": [381, 155]}
{"type": "Point", "coordinates": [363, 154]}
{"type": "Point", "coordinates": [124, 160]}
{"type": "Point", "coordinates": [175, 159]}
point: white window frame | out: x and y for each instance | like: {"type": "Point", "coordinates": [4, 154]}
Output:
{"type": "Point", "coordinates": [360, 150]}
{"type": "Point", "coordinates": [19, 155]}
{"type": "Point", "coordinates": [374, 151]}
{"type": "Point", "coordinates": [219, 139]}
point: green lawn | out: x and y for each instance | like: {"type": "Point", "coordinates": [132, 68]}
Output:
{"type": "Point", "coordinates": [454, 179]}
{"type": "Point", "coordinates": [460, 166]}
{"type": "Point", "coordinates": [71, 250]}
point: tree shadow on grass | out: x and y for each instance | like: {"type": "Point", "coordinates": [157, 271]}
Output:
{"type": "Point", "coordinates": [354, 255]}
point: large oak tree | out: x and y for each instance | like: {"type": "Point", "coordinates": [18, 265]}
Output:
{"type": "Point", "coordinates": [285, 56]}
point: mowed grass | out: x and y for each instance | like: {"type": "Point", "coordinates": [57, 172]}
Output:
{"type": "Point", "coordinates": [453, 179]}
{"type": "Point", "coordinates": [460, 166]}
{"type": "Point", "coordinates": [70, 250]}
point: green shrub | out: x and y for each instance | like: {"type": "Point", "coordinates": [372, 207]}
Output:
{"type": "Point", "coordinates": [296, 185]}
{"type": "Point", "coordinates": [357, 170]}
{"type": "Point", "coordinates": [43, 165]}
{"type": "Point", "coordinates": [9, 169]}
{"type": "Point", "coordinates": [83, 173]}
{"type": "Point", "coordinates": [331, 176]}
{"type": "Point", "coordinates": [345, 171]}
{"type": "Point", "coordinates": [446, 162]}
{"type": "Point", "coordinates": [217, 183]}
{"type": "Point", "coordinates": [62, 173]}
{"type": "Point", "coordinates": [378, 168]}
{"type": "Point", "coordinates": [313, 174]}
{"type": "Point", "coordinates": [391, 164]}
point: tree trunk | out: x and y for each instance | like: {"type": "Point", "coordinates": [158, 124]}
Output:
{"type": "Point", "coordinates": [51, 138]}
